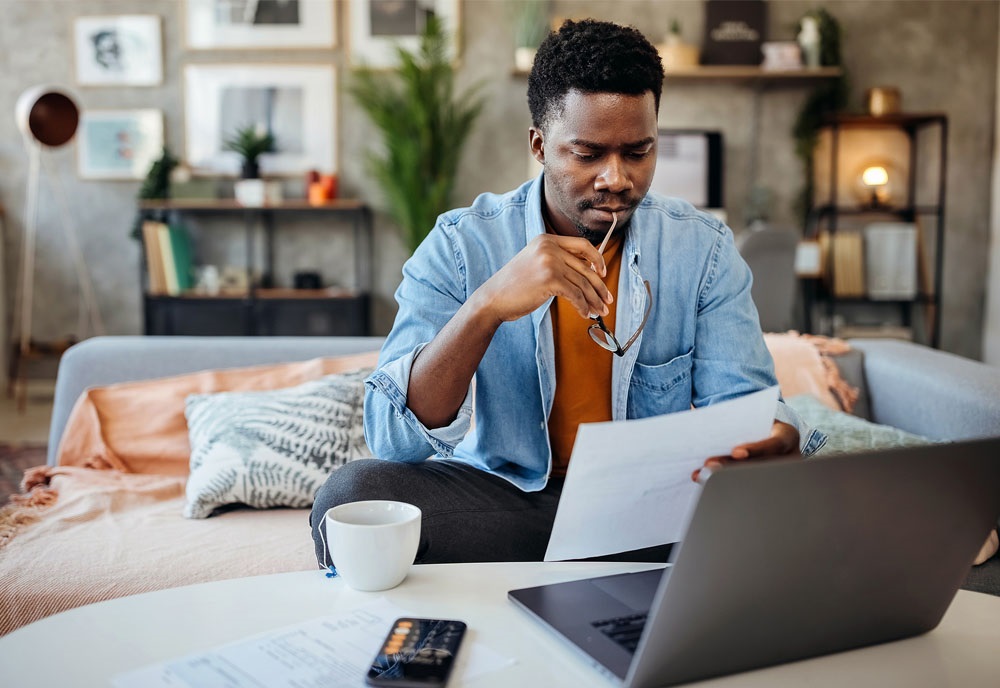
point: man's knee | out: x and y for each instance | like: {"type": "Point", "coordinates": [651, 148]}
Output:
{"type": "Point", "coordinates": [357, 481]}
{"type": "Point", "coordinates": [354, 482]}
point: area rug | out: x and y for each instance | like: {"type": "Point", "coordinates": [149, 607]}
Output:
{"type": "Point", "coordinates": [14, 460]}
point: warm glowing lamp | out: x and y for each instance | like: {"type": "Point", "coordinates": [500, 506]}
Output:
{"type": "Point", "coordinates": [875, 185]}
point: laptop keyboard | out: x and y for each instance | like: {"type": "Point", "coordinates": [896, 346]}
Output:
{"type": "Point", "coordinates": [624, 630]}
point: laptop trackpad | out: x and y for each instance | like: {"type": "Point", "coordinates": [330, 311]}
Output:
{"type": "Point", "coordinates": [634, 590]}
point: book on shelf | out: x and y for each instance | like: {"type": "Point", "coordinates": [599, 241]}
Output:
{"type": "Point", "coordinates": [154, 258]}
{"type": "Point", "coordinates": [168, 258]}
{"type": "Point", "coordinates": [848, 264]}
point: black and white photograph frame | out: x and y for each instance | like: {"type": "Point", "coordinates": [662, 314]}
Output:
{"type": "Point", "coordinates": [296, 104]}
{"type": "Point", "coordinates": [378, 27]}
{"type": "Point", "coordinates": [118, 50]}
{"type": "Point", "coordinates": [118, 144]}
{"type": "Point", "coordinates": [260, 24]}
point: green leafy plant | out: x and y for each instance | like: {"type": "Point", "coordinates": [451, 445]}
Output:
{"type": "Point", "coordinates": [424, 125]}
{"type": "Point", "coordinates": [155, 186]}
{"type": "Point", "coordinates": [531, 22]}
{"type": "Point", "coordinates": [250, 142]}
{"type": "Point", "coordinates": [825, 100]}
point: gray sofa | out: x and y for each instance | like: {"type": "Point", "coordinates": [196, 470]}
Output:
{"type": "Point", "coordinates": [911, 387]}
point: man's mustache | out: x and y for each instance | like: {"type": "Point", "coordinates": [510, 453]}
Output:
{"type": "Point", "coordinates": [605, 201]}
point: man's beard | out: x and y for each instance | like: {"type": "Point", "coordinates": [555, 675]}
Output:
{"type": "Point", "coordinates": [596, 236]}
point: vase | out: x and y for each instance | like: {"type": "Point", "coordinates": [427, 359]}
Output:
{"type": "Point", "coordinates": [524, 58]}
{"type": "Point", "coordinates": [250, 192]}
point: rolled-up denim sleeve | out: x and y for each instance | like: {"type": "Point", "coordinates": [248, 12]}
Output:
{"type": "Point", "coordinates": [811, 440]}
{"type": "Point", "coordinates": [392, 430]}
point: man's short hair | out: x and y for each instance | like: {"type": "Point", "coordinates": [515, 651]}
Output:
{"type": "Point", "coordinates": [593, 57]}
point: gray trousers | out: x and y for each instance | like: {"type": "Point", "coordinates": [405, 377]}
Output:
{"type": "Point", "coordinates": [469, 515]}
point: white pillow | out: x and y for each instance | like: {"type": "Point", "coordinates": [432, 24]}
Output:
{"type": "Point", "coordinates": [272, 448]}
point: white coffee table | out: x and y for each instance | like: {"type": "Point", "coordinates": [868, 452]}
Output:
{"type": "Point", "coordinates": [88, 645]}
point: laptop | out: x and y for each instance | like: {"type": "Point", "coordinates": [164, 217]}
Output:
{"type": "Point", "coordinates": [788, 559]}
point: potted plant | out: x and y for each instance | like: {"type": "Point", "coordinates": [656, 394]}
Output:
{"type": "Point", "coordinates": [424, 125]}
{"type": "Point", "coordinates": [531, 25]}
{"type": "Point", "coordinates": [251, 142]}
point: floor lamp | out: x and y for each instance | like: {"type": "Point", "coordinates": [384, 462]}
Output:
{"type": "Point", "coordinates": [47, 117]}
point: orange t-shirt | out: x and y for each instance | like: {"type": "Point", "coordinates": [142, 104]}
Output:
{"type": "Point", "coordinates": [583, 369]}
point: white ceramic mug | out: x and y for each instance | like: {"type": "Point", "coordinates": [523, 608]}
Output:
{"type": "Point", "coordinates": [373, 543]}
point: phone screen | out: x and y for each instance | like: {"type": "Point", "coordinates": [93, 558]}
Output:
{"type": "Point", "coordinates": [417, 653]}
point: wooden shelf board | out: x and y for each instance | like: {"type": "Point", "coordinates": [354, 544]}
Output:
{"type": "Point", "coordinates": [751, 73]}
{"type": "Point", "coordinates": [264, 295]}
{"type": "Point", "coordinates": [228, 204]}
{"type": "Point", "coordinates": [741, 73]}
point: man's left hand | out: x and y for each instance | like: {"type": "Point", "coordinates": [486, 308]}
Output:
{"type": "Point", "coordinates": [784, 441]}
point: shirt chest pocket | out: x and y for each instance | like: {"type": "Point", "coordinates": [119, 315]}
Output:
{"type": "Point", "coordinates": [663, 388]}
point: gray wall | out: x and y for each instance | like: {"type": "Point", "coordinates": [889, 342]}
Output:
{"type": "Point", "coordinates": [941, 55]}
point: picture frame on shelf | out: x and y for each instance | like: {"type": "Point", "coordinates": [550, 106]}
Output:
{"type": "Point", "coordinates": [295, 103]}
{"type": "Point", "coordinates": [377, 27]}
{"type": "Point", "coordinates": [118, 144]}
{"type": "Point", "coordinates": [260, 24]}
{"type": "Point", "coordinates": [119, 50]}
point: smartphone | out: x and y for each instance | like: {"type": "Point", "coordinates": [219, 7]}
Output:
{"type": "Point", "coordinates": [417, 653]}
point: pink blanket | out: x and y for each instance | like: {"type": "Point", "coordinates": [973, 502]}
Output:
{"type": "Point", "coordinates": [112, 534]}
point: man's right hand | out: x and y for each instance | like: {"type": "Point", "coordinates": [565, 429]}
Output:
{"type": "Point", "coordinates": [550, 265]}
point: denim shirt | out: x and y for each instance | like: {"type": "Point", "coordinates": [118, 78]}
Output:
{"type": "Point", "coordinates": [701, 345]}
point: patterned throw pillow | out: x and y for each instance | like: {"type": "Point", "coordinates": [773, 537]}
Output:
{"type": "Point", "coordinates": [273, 448]}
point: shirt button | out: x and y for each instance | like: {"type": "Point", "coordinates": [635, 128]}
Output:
{"type": "Point", "coordinates": [541, 426]}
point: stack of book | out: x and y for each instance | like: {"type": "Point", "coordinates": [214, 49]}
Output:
{"type": "Point", "coordinates": [168, 258]}
{"type": "Point", "coordinates": [848, 264]}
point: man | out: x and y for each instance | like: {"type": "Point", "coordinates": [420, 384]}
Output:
{"type": "Point", "coordinates": [496, 306]}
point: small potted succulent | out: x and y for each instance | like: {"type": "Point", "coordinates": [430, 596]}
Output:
{"type": "Point", "coordinates": [251, 141]}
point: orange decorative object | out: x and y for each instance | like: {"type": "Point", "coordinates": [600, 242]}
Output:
{"type": "Point", "coordinates": [329, 182]}
{"type": "Point", "coordinates": [317, 194]}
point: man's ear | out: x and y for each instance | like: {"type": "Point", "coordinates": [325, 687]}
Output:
{"type": "Point", "coordinates": [536, 140]}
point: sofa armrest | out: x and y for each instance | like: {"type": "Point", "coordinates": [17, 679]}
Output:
{"type": "Point", "coordinates": [107, 360]}
{"type": "Point", "coordinates": [930, 392]}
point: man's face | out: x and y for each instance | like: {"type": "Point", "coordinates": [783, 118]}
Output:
{"type": "Point", "coordinates": [599, 154]}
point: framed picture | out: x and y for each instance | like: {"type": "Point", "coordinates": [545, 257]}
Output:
{"type": "Point", "coordinates": [122, 50]}
{"type": "Point", "coordinates": [212, 24]}
{"type": "Point", "coordinates": [295, 103]}
{"type": "Point", "coordinates": [118, 144]}
{"type": "Point", "coordinates": [378, 26]}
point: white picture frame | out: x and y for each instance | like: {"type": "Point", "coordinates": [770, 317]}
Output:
{"type": "Point", "coordinates": [118, 144]}
{"type": "Point", "coordinates": [297, 103]}
{"type": "Point", "coordinates": [377, 27]}
{"type": "Point", "coordinates": [118, 50]}
{"type": "Point", "coordinates": [264, 24]}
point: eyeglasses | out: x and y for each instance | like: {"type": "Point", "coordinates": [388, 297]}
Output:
{"type": "Point", "coordinates": [600, 333]}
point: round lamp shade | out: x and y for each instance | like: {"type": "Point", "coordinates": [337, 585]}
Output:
{"type": "Point", "coordinates": [48, 115]}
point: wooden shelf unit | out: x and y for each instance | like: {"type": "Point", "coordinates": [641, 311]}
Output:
{"type": "Point", "coordinates": [264, 309]}
{"type": "Point", "coordinates": [825, 218]}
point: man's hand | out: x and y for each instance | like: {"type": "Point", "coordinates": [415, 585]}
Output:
{"type": "Point", "coordinates": [548, 266]}
{"type": "Point", "coordinates": [784, 441]}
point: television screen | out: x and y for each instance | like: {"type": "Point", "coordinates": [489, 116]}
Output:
{"type": "Point", "coordinates": [689, 166]}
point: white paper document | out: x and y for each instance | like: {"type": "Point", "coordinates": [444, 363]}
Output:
{"type": "Point", "coordinates": [319, 653]}
{"type": "Point", "coordinates": [629, 482]}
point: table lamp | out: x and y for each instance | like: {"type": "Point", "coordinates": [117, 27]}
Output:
{"type": "Point", "coordinates": [876, 184]}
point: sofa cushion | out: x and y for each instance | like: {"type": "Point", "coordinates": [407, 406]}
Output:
{"type": "Point", "coordinates": [139, 427]}
{"type": "Point", "coordinates": [272, 448]}
{"type": "Point", "coordinates": [848, 433]}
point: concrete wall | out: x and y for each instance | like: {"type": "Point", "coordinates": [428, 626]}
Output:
{"type": "Point", "coordinates": [941, 55]}
{"type": "Point", "coordinates": [991, 329]}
